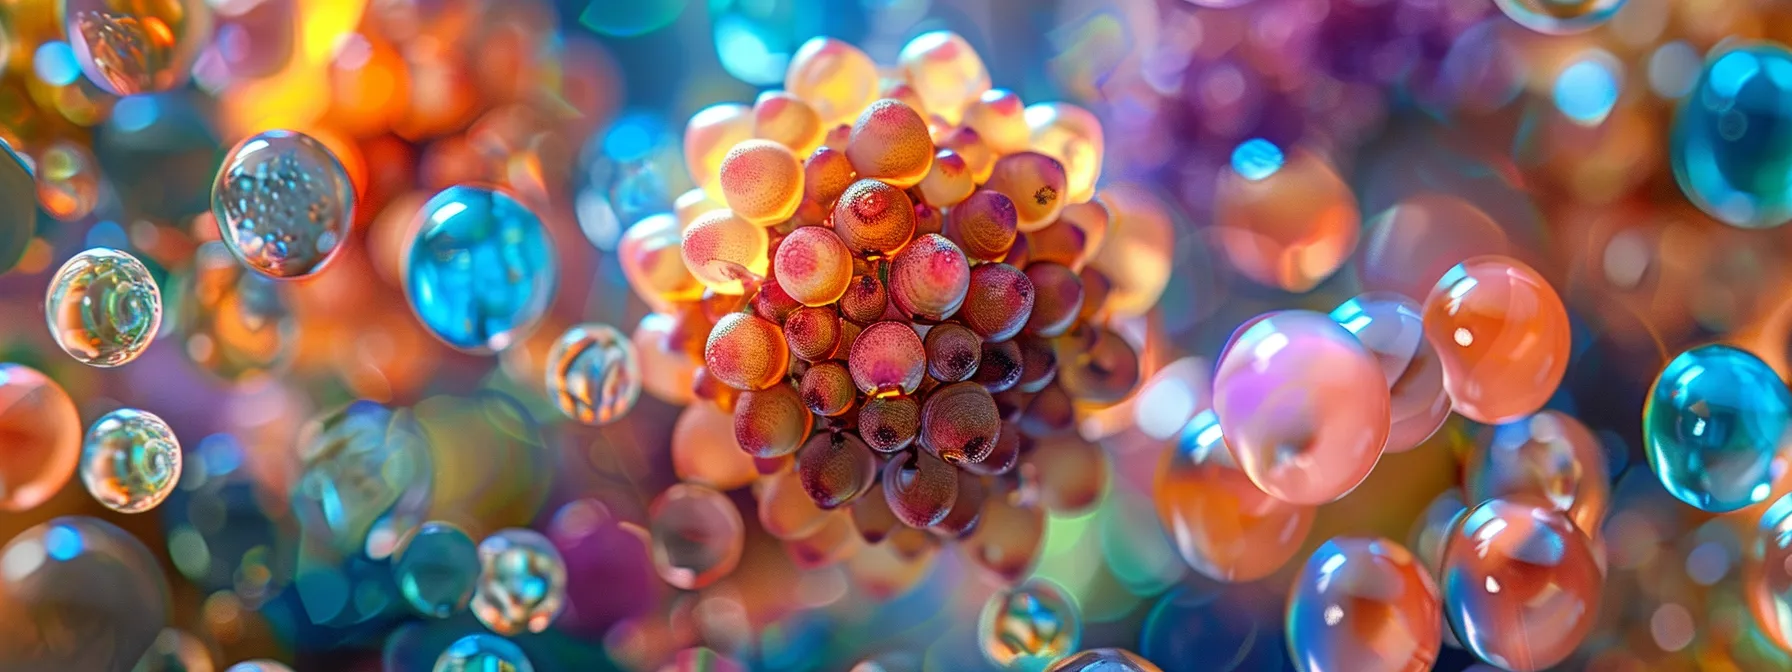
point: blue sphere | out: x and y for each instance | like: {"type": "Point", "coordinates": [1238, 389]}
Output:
{"type": "Point", "coordinates": [480, 272]}
{"type": "Point", "coordinates": [1731, 146]}
{"type": "Point", "coordinates": [1713, 427]}
{"type": "Point", "coordinates": [483, 653]}
{"type": "Point", "coordinates": [437, 570]}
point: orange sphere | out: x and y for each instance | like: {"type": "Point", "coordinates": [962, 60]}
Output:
{"type": "Point", "coordinates": [1503, 336]}
{"type": "Point", "coordinates": [1290, 229]}
{"type": "Point", "coordinates": [890, 142]}
{"type": "Point", "coordinates": [747, 352]}
{"type": "Point", "coordinates": [1220, 522]}
{"type": "Point", "coordinates": [40, 438]}
{"type": "Point", "coordinates": [762, 181]}
{"type": "Point", "coordinates": [813, 267]}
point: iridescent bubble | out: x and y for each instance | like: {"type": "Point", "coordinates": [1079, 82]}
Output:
{"type": "Point", "coordinates": [79, 593]}
{"type": "Point", "coordinates": [236, 324]}
{"type": "Point", "coordinates": [1408, 247]}
{"type": "Point", "coordinates": [103, 307]}
{"type": "Point", "coordinates": [1560, 17]}
{"type": "Point", "coordinates": [175, 651]}
{"type": "Point", "coordinates": [1521, 587]}
{"type": "Point", "coordinates": [593, 374]}
{"type": "Point", "coordinates": [1363, 604]}
{"type": "Point", "coordinates": [367, 479]}
{"type": "Point", "coordinates": [129, 47]}
{"type": "Point", "coordinates": [1220, 523]}
{"type": "Point", "coordinates": [43, 438]}
{"type": "Point", "coordinates": [1029, 626]}
{"type": "Point", "coordinates": [1714, 427]}
{"type": "Point", "coordinates": [1731, 136]}
{"type": "Point", "coordinates": [522, 582]}
{"type": "Point", "coordinates": [1767, 573]}
{"type": "Point", "coordinates": [1391, 327]}
{"type": "Point", "coordinates": [1104, 660]}
{"type": "Point", "coordinates": [68, 181]}
{"type": "Point", "coordinates": [481, 269]}
{"type": "Point", "coordinates": [481, 652]}
{"type": "Point", "coordinates": [283, 203]}
{"type": "Point", "coordinates": [698, 536]}
{"type": "Point", "coordinates": [130, 460]}
{"type": "Point", "coordinates": [1548, 455]}
{"type": "Point", "coordinates": [18, 219]}
{"type": "Point", "coordinates": [437, 569]}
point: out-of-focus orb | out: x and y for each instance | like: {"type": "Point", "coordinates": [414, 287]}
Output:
{"type": "Point", "coordinates": [945, 72]}
{"type": "Point", "coordinates": [1104, 660]}
{"type": "Point", "coordinates": [651, 260]}
{"type": "Point", "coordinates": [1549, 455]}
{"type": "Point", "coordinates": [1408, 247]}
{"type": "Point", "coordinates": [1073, 136]}
{"type": "Point", "coordinates": [698, 536]}
{"type": "Point", "coordinates": [284, 203]}
{"type": "Point", "coordinates": [631, 19]}
{"type": "Point", "coordinates": [1767, 573]}
{"type": "Point", "coordinates": [68, 181]}
{"type": "Point", "coordinates": [481, 270]}
{"type": "Point", "coordinates": [367, 478]}
{"type": "Point", "coordinates": [259, 666]}
{"type": "Point", "coordinates": [1287, 225]}
{"type": "Point", "coordinates": [103, 307]}
{"type": "Point", "coordinates": [480, 652]}
{"type": "Point", "coordinates": [40, 438]}
{"type": "Point", "coordinates": [1732, 137]}
{"type": "Point", "coordinates": [834, 77]}
{"type": "Point", "coordinates": [1390, 326]}
{"type": "Point", "coordinates": [1137, 254]}
{"type": "Point", "coordinates": [1364, 604]}
{"type": "Point", "coordinates": [437, 569]}
{"type": "Point", "coordinates": [1715, 427]}
{"type": "Point", "coordinates": [236, 324]}
{"type": "Point", "coordinates": [1560, 17]}
{"type": "Point", "coordinates": [1029, 626]}
{"type": "Point", "coordinates": [1219, 521]}
{"type": "Point", "coordinates": [593, 374]}
{"type": "Point", "coordinates": [79, 593]}
{"type": "Point", "coordinates": [522, 582]}
{"type": "Point", "coordinates": [130, 460]}
{"type": "Point", "coordinates": [129, 47]}
{"type": "Point", "coordinates": [18, 207]}
{"type": "Point", "coordinates": [1503, 336]}
{"type": "Point", "coordinates": [175, 651]}
{"type": "Point", "coordinates": [1172, 397]}
{"type": "Point", "coordinates": [1521, 586]}
{"type": "Point", "coordinates": [1304, 406]}
{"type": "Point", "coordinates": [708, 137]}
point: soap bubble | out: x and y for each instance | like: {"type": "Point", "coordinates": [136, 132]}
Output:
{"type": "Point", "coordinates": [1029, 626]}
{"type": "Point", "coordinates": [593, 374]}
{"type": "Point", "coordinates": [483, 653]}
{"type": "Point", "coordinates": [367, 478]}
{"type": "Point", "coordinates": [129, 47]}
{"type": "Point", "coordinates": [437, 569]}
{"type": "Point", "coordinates": [103, 307]}
{"type": "Point", "coordinates": [522, 582]}
{"type": "Point", "coordinates": [482, 269]}
{"type": "Point", "coordinates": [43, 444]}
{"type": "Point", "coordinates": [284, 204]}
{"type": "Point", "coordinates": [130, 460]}
{"type": "Point", "coordinates": [79, 593]}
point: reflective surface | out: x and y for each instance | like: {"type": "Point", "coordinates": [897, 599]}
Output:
{"type": "Point", "coordinates": [480, 270]}
{"type": "Point", "coordinates": [103, 307]}
{"type": "Point", "coordinates": [697, 536]}
{"type": "Point", "coordinates": [136, 46]}
{"type": "Point", "coordinates": [1219, 522]}
{"type": "Point", "coordinates": [1029, 626]}
{"type": "Point", "coordinates": [437, 569]}
{"type": "Point", "coordinates": [1714, 428]}
{"type": "Point", "coordinates": [1363, 604]}
{"type": "Point", "coordinates": [1731, 136]}
{"type": "Point", "coordinates": [83, 595]}
{"type": "Point", "coordinates": [1521, 587]}
{"type": "Point", "coordinates": [1502, 334]}
{"type": "Point", "coordinates": [1548, 455]}
{"type": "Point", "coordinates": [593, 374]}
{"type": "Point", "coordinates": [130, 460]}
{"type": "Point", "coordinates": [40, 438]}
{"type": "Point", "coordinates": [1390, 326]}
{"type": "Point", "coordinates": [522, 582]}
{"type": "Point", "coordinates": [283, 203]}
{"type": "Point", "coordinates": [483, 653]}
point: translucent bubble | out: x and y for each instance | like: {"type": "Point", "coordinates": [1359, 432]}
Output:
{"type": "Point", "coordinates": [175, 651]}
{"type": "Point", "coordinates": [945, 72]}
{"type": "Point", "coordinates": [130, 460]}
{"type": "Point", "coordinates": [708, 137]}
{"type": "Point", "coordinates": [1222, 524]}
{"type": "Point", "coordinates": [283, 203]}
{"type": "Point", "coordinates": [437, 569]}
{"type": "Point", "coordinates": [1035, 183]}
{"type": "Point", "coordinates": [259, 666]}
{"type": "Point", "coordinates": [18, 220]}
{"type": "Point", "coordinates": [103, 307]}
{"type": "Point", "coordinates": [697, 536]}
{"type": "Point", "coordinates": [1730, 136]}
{"type": "Point", "coordinates": [367, 478]}
{"type": "Point", "coordinates": [1406, 248]}
{"type": "Point", "coordinates": [1713, 428]}
{"type": "Point", "coordinates": [522, 582]}
{"type": "Point", "coordinates": [890, 143]}
{"type": "Point", "coordinates": [1103, 660]}
{"type": "Point", "coordinates": [1767, 573]}
{"type": "Point", "coordinates": [80, 594]}
{"type": "Point", "coordinates": [43, 432]}
{"type": "Point", "coordinates": [129, 47]}
{"type": "Point", "coordinates": [1029, 626]}
{"type": "Point", "coordinates": [1363, 604]}
{"type": "Point", "coordinates": [1073, 136]}
{"type": "Point", "coordinates": [480, 652]}
{"type": "Point", "coordinates": [1548, 455]}
{"type": "Point", "coordinates": [836, 468]}
{"type": "Point", "coordinates": [834, 77]}
{"type": "Point", "coordinates": [1521, 587]}
{"type": "Point", "coordinates": [1290, 229]}
{"type": "Point", "coordinates": [594, 374]}
{"type": "Point", "coordinates": [1390, 326]}
{"type": "Point", "coordinates": [68, 181]}
{"type": "Point", "coordinates": [654, 265]}
{"type": "Point", "coordinates": [928, 278]}
{"type": "Point", "coordinates": [1560, 17]}
{"type": "Point", "coordinates": [814, 266]}
{"type": "Point", "coordinates": [236, 324]}
{"type": "Point", "coordinates": [1503, 336]}
{"type": "Point", "coordinates": [481, 269]}
{"type": "Point", "coordinates": [1304, 406]}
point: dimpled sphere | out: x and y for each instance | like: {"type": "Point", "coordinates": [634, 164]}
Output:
{"type": "Point", "coordinates": [481, 271]}
{"type": "Point", "coordinates": [1304, 406]}
{"type": "Point", "coordinates": [129, 47]}
{"type": "Point", "coordinates": [762, 181]}
{"type": "Point", "coordinates": [887, 358]}
{"type": "Point", "coordinates": [437, 570]}
{"type": "Point", "coordinates": [594, 374]}
{"type": "Point", "coordinates": [79, 593]}
{"type": "Point", "coordinates": [284, 204]}
{"type": "Point", "coordinates": [1714, 425]}
{"type": "Point", "coordinates": [18, 207]}
{"type": "Point", "coordinates": [1503, 336]}
{"type": "Point", "coordinates": [1104, 660]}
{"type": "Point", "coordinates": [771, 422]}
{"type": "Point", "coordinates": [960, 423]}
{"type": "Point", "coordinates": [984, 225]}
{"type": "Point", "coordinates": [1390, 326]}
{"type": "Point", "coordinates": [889, 142]}
{"type": "Point", "coordinates": [481, 652]}
{"type": "Point", "coordinates": [836, 468]}
{"type": "Point", "coordinates": [697, 536]}
{"type": "Point", "coordinates": [999, 302]}
{"type": "Point", "coordinates": [1035, 183]}
{"type": "Point", "coordinates": [814, 267]}
{"type": "Point", "coordinates": [130, 460]}
{"type": "Point", "coordinates": [1363, 605]}
{"type": "Point", "coordinates": [874, 219]}
{"type": "Point", "coordinates": [103, 307]}
{"type": "Point", "coordinates": [889, 424]}
{"type": "Point", "coordinates": [1549, 455]}
{"type": "Point", "coordinates": [723, 250]}
{"type": "Point", "coordinates": [747, 352]}
{"type": "Point", "coordinates": [1029, 626]}
{"type": "Point", "coordinates": [929, 278]}
{"type": "Point", "coordinates": [1560, 17]}
{"type": "Point", "coordinates": [834, 77]}
{"type": "Point", "coordinates": [522, 582]}
{"type": "Point", "coordinates": [946, 73]}
{"type": "Point", "coordinates": [1220, 523]}
{"type": "Point", "coordinates": [1767, 572]}
{"type": "Point", "coordinates": [40, 438]}
{"type": "Point", "coordinates": [1731, 145]}
{"type": "Point", "coordinates": [1521, 587]}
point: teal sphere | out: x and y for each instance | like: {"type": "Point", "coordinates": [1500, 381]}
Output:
{"type": "Point", "coordinates": [480, 272]}
{"type": "Point", "coordinates": [1713, 427]}
{"type": "Point", "coordinates": [1731, 145]}
{"type": "Point", "coordinates": [436, 571]}
{"type": "Point", "coordinates": [483, 653]}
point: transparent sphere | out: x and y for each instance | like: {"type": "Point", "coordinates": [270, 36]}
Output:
{"type": "Point", "coordinates": [259, 666]}
{"type": "Point", "coordinates": [103, 307]}
{"type": "Point", "coordinates": [1560, 17]}
{"type": "Point", "coordinates": [1408, 247]}
{"type": "Point", "coordinates": [236, 324]}
{"type": "Point", "coordinates": [945, 72]}
{"type": "Point", "coordinates": [1767, 572]}
{"type": "Point", "coordinates": [1390, 326]}
{"type": "Point", "coordinates": [367, 478]}
{"type": "Point", "coordinates": [1549, 455]}
{"type": "Point", "coordinates": [18, 215]}
{"type": "Point", "coordinates": [1714, 426]}
{"type": "Point", "coordinates": [284, 203]}
{"type": "Point", "coordinates": [1289, 227]}
{"type": "Point", "coordinates": [1521, 587]}
{"type": "Point", "coordinates": [522, 582]}
{"type": "Point", "coordinates": [40, 438]}
{"type": "Point", "coordinates": [481, 652]}
{"type": "Point", "coordinates": [79, 593]}
{"type": "Point", "coordinates": [698, 536]}
{"type": "Point", "coordinates": [130, 460]}
{"type": "Point", "coordinates": [1220, 523]}
{"type": "Point", "coordinates": [1303, 405]}
{"type": "Point", "coordinates": [481, 269]}
{"type": "Point", "coordinates": [1503, 336]}
{"type": "Point", "coordinates": [1732, 136]}
{"type": "Point", "coordinates": [1431, 530]}
{"type": "Point", "coordinates": [1104, 660]}
{"type": "Point", "coordinates": [593, 374]}
{"type": "Point", "coordinates": [1363, 604]}
{"type": "Point", "coordinates": [437, 569]}
{"type": "Point", "coordinates": [175, 651]}
{"type": "Point", "coordinates": [1029, 626]}
{"type": "Point", "coordinates": [129, 47]}
{"type": "Point", "coordinates": [68, 181]}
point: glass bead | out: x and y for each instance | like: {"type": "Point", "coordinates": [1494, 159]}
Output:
{"type": "Point", "coordinates": [1767, 572]}
{"type": "Point", "coordinates": [1104, 660]}
{"type": "Point", "coordinates": [1391, 327]}
{"type": "Point", "coordinates": [1289, 228]}
{"type": "Point", "coordinates": [594, 374]}
{"type": "Point", "coordinates": [1406, 248]}
{"type": "Point", "coordinates": [366, 479]}
{"type": "Point", "coordinates": [481, 269]}
{"type": "Point", "coordinates": [236, 324]}
{"type": "Point", "coordinates": [1521, 587]}
{"type": "Point", "coordinates": [480, 652]}
{"type": "Point", "coordinates": [103, 307]}
{"type": "Point", "coordinates": [1220, 523]}
{"type": "Point", "coordinates": [284, 204]}
{"type": "Point", "coordinates": [1503, 336]}
{"type": "Point", "coordinates": [698, 536]}
{"type": "Point", "coordinates": [437, 569]}
{"type": "Point", "coordinates": [1364, 604]}
{"type": "Point", "coordinates": [1731, 138]}
{"type": "Point", "coordinates": [68, 181]}
{"type": "Point", "coordinates": [79, 593]}
{"type": "Point", "coordinates": [522, 582]}
{"type": "Point", "coordinates": [834, 77]}
{"type": "Point", "coordinates": [43, 438]}
{"type": "Point", "coordinates": [130, 460]}
{"type": "Point", "coordinates": [1560, 17]}
{"type": "Point", "coordinates": [1303, 405]}
{"type": "Point", "coordinates": [1548, 455]}
{"type": "Point", "coordinates": [1029, 626]}
{"type": "Point", "coordinates": [18, 206]}
{"type": "Point", "coordinates": [945, 72]}
{"type": "Point", "coordinates": [129, 47]}
{"type": "Point", "coordinates": [1714, 426]}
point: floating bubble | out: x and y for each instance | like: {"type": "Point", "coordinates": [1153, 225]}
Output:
{"type": "Point", "coordinates": [1432, 530]}
{"type": "Point", "coordinates": [82, 595]}
{"type": "Point", "coordinates": [1560, 17]}
{"type": "Point", "coordinates": [522, 582]}
{"type": "Point", "coordinates": [1730, 136]}
{"type": "Point", "coordinates": [1391, 327]}
{"type": "Point", "coordinates": [43, 445]}
{"type": "Point", "coordinates": [1521, 587]}
{"type": "Point", "coordinates": [175, 651]}
{"type": "Point", "coordinates": [68, 181]}
{"type": "Point", "coordinates": [259, 666]}
{"type": "Point", "coordinates": [236, 324]}
{"type": "Point", "coordinates": [128, 47]}
{"type": "Point", "coordinates": [697, 536]}
{"type": "Point", "coordinates": [1548, 455]}
{"type": "Point", "coordinates": [1289, 227]}
{"type": "Point", "coordinates": [945, 72]}
{"type": "Point", "coordinates": [481, 269]}
{"type": "Point", "coordinates": [1714, 426]}
{"type": "Point", "coordinates": [1103, 660]}
{"type": "Point", "coordinates": [481, 652]}
{"type": "Point", "coordinates": [1363, 604]}
{"type": "Point", "coordinates": [130, 460]}
{"type": "Point", "coordinates": [1503, 336]}
{"type": "Point", "coordinates": [1219, 521]}
{"type": "Point", "coordinates": [103, 307]}
{"type": "Point", "coordinates": [283, 203]}
{"type": "Point", "coordinates": [1406, 248]}
{"type": "Point", "coordinates": [437, 569]}
{"type": "Point", "coordinates": [1767, 573]}
{"type": "Point", "coordinates": [594, 374]}
{"type": "Point", "coordinates": [367, 479]}
{"type": "Point", "coordinates": [1029, 626]}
